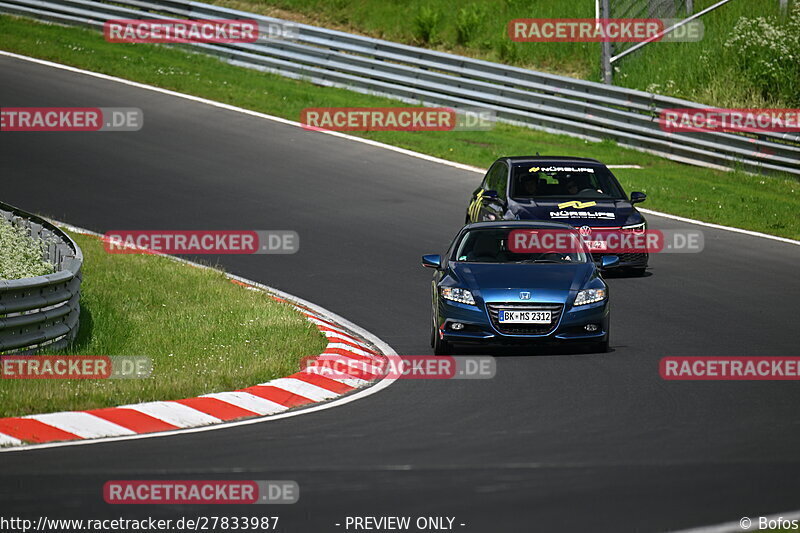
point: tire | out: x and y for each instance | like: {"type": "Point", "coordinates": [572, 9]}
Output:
{"type": "Point", "coordinates": [441, 347]}
{"type": "Point", "coordinates": [602, 346]}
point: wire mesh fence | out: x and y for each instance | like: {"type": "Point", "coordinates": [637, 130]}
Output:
{"type": "Point", "coordinates": [647, 9]}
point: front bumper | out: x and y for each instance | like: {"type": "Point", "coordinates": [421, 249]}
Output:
{"type": "Point", "coordinates": [626, 260]}
{"type": "Point", "coordinates": [477, 326]}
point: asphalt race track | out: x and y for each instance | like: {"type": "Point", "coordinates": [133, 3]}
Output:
{"type": "Point", "coordinates": [556, 442]}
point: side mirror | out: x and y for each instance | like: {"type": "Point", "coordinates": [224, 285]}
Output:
{"type": "Point", "coordinates": [638, 197]}
{"type": "Point", "coordinates": [491, 193]}
{"type": "Point", "coordinates": [609, 261]}
{"type": "Point", "coordinates": [432, 261]}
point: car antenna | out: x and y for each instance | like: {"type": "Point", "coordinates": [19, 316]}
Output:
{"type": "Point", "coordinates": [538, 154]}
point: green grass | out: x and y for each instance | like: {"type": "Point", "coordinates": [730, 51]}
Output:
{"type": "Point", "coordinates": [759, 69]}
{"type": "Point", "coordinates": [475, 28]}
{"type": "Point", "coordinates": [767, 204]}
{"type": "Point", "coordinates": [210, 335]}
{"type": "Point", "coordinates": [20, 255]}
{"type": "Point", "coordinates": [704, 71]}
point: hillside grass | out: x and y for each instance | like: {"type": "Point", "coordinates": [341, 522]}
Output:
{"type": "Point", "coordinates": [707, 71]}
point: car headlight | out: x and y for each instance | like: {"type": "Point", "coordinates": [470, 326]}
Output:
{"type": "Point", "coordinates": [458, 295]}
{"type": "Point", "coordinates": [634, 228]}
{"type": "Point", "coordinates": [590, 296]}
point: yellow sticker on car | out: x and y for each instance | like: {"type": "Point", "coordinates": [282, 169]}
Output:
{"type": "Point", "coordinates": [577, 204]}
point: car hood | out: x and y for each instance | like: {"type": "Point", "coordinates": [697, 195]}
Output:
{"type": "Point", "coordinates": [504, 281]}
{"type": "Point", "coordinates": [600, 213]}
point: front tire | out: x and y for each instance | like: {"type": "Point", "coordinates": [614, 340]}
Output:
{"type": "Point", "coordinates": [440, 346]}
{"type": "Point", "coordinates": [602, 346]}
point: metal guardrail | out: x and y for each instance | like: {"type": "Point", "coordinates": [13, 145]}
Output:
{"type": "Point", "coordinates": [43, 311]}
{"type": "Point", "coordinates": [534, 99]}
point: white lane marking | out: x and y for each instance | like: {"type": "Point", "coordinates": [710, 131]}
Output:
{"type": "Point", "coordinates": [7, 440]}
{"type": "Point", "coordinates": [83, 425]}
{"type": "Point", "coordinates": [717, 226]}
{"type": "Point", "coordinates": [369, 142]}
{"type": "Point", "coordinates": [306, 390]}
{"type": "Point", "coordinates": [174, 413]}
{"type": "Point", "coordinates": [248, 401]}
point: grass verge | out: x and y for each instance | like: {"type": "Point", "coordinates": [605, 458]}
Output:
{"type": "Point", "coordinates": [760, 69]}
{"type": "Point", "coordinates": [212, 335]}
{"type": "Point", "coordinates": [766, 204]}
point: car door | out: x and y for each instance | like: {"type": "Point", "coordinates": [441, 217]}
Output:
{"type": "Point", "coordinates": [489, 200]}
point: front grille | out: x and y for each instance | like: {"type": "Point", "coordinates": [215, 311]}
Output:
{"type": "Point", "coordinates": [623, 258]}
{"type": "Point", "coordinates": [525, 329]}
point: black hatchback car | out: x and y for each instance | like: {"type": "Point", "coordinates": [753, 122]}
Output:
{"type": "Point", "coordinates": [578, 191]}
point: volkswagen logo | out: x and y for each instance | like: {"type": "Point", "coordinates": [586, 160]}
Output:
{"type": "Point", "coordinates": [524, 296]}
{"type": "Point", "coordinates": [585, 231]}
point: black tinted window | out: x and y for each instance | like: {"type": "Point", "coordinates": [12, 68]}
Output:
{"type": "Point", "coordinates": [564, 180]}
{"type": "Point", "coordinates": [498, 179]}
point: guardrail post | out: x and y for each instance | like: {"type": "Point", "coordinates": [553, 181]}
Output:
{"type": "Point", "coordinates": [605, 54]}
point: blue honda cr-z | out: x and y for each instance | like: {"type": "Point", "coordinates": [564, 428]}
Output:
{"type": "Point", "coordinates": [485, 293]}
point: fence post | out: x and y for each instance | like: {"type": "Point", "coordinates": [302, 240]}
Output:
{"type": "Point", "coordinates": [605, 54]}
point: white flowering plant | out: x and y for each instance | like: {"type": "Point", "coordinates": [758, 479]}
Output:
{"type": "Point", "coordinates": [20, 255]}
{"type": "Point", "coordinates": [766, 51]}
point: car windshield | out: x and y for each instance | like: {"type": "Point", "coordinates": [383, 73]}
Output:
{"type": "Point", "coordinates": [491, 245]}
{"type": "Point", "coordinates": [557, 180]}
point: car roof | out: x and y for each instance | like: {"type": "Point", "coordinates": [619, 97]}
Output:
{"type": "Point", "coordinates": [549, 159]}
{"type": "Point", "coordinates": [529, 224]}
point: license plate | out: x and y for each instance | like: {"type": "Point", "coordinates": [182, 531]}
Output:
{"type": "Point", "coordinates": [525, 317]}
{"type": "Point", "coordinates": [593, 245]}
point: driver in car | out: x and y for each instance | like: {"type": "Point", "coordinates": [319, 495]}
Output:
{"type": "Point", "coordinates": [572, 187]}
{"type": "Point", "coordinates": [530, 185]}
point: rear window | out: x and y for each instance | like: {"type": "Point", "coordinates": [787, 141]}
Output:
{"type": "Point", "coordinates": [564, 181]}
